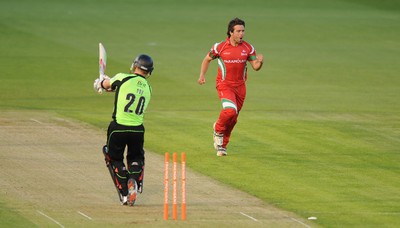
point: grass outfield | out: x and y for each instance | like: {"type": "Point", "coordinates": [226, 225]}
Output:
{"type": "Point", "coordinates": [319, 134]}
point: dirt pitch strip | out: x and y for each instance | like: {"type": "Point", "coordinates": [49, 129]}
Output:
{"type": "Point", "coordinates": [54, 175]}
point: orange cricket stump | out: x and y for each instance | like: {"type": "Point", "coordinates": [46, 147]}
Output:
{"type": "Point", "coordinates": [183, 173]}
{"type": "Point", "coordinates": [175, 181]}
{"type": "Point", "coordinates": [166, 165]}
{"type": "Point", "coordinates": [174, 187]}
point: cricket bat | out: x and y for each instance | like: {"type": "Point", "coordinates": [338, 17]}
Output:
{"type": "Point", "coordinates": [102, 62]}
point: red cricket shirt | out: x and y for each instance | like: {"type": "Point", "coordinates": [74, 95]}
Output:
{"type": "Point", "coordinates": [232, 61]}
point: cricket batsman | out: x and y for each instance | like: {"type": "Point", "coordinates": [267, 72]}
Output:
{"type": "Point", "coordinates": [126, 130]}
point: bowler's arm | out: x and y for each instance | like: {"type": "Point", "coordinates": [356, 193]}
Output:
{"type": "Point", "coordinates": [258, 62]}
{"type": "Point", "coordinates": [203, 69]}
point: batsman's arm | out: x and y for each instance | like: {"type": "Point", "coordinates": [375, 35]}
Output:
{"type": "Point", "coordinates": [203, 69]}
{"type": "Point", "coordinates": [102, 83]}
{"type": "Point", "coordinates": [106, 85]}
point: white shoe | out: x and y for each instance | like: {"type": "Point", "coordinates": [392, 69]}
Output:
{"type": "Point", "coordinates": [221, 152]}
{"type": "Point", "coordinates": [132, 191]}
{"type": "Point", "coordinates": [218, 139]}
{"type": "Point", "coordinates": [124, 200]}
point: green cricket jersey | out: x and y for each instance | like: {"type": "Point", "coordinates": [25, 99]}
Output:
{"type": "Point", "coordinates": [132, 97]}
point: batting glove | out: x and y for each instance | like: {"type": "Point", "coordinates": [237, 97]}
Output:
{"type": "Point", "coordinates": [97, 83]}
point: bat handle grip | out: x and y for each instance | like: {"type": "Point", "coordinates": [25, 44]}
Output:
{"type": "Point", "coordinates": [101, 77]}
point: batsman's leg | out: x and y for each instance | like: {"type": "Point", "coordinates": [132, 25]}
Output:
{"type": "Point", "coordinates": [135, 181]}
{"type": "Point", "coordinates": [136, 171]}
{"type": "Point", "coordinates": [118, 175]}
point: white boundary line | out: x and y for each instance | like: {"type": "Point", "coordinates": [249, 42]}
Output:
{"type": "Point", "coordinates": [86, 216]}
{"type": "Point", "coordinates": [53, 220]}
{"type": "Point", "coordinates": [248, 216]}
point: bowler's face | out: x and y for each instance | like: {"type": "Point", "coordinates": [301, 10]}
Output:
{"type": "Point", "coordinates": [237, 34]}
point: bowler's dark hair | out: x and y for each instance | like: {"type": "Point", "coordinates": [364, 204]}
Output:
{"type": "Point", "coordinates": [232, 23]}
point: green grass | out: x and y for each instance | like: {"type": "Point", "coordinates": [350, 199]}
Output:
{"type": "Point", "coordinates": [319, 132]}
{"type": "Point", "coordinates": [10, 218]}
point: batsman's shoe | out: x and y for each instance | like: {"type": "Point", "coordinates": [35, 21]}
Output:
{"type": "Point", "coordinates": [132, 191]}
{"type": "Point", "coordinates": [221, 151]}
{"type": "Point", "coordinates": [124, 200]}
{"type": "Point", "coordinates": [218, 139]}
